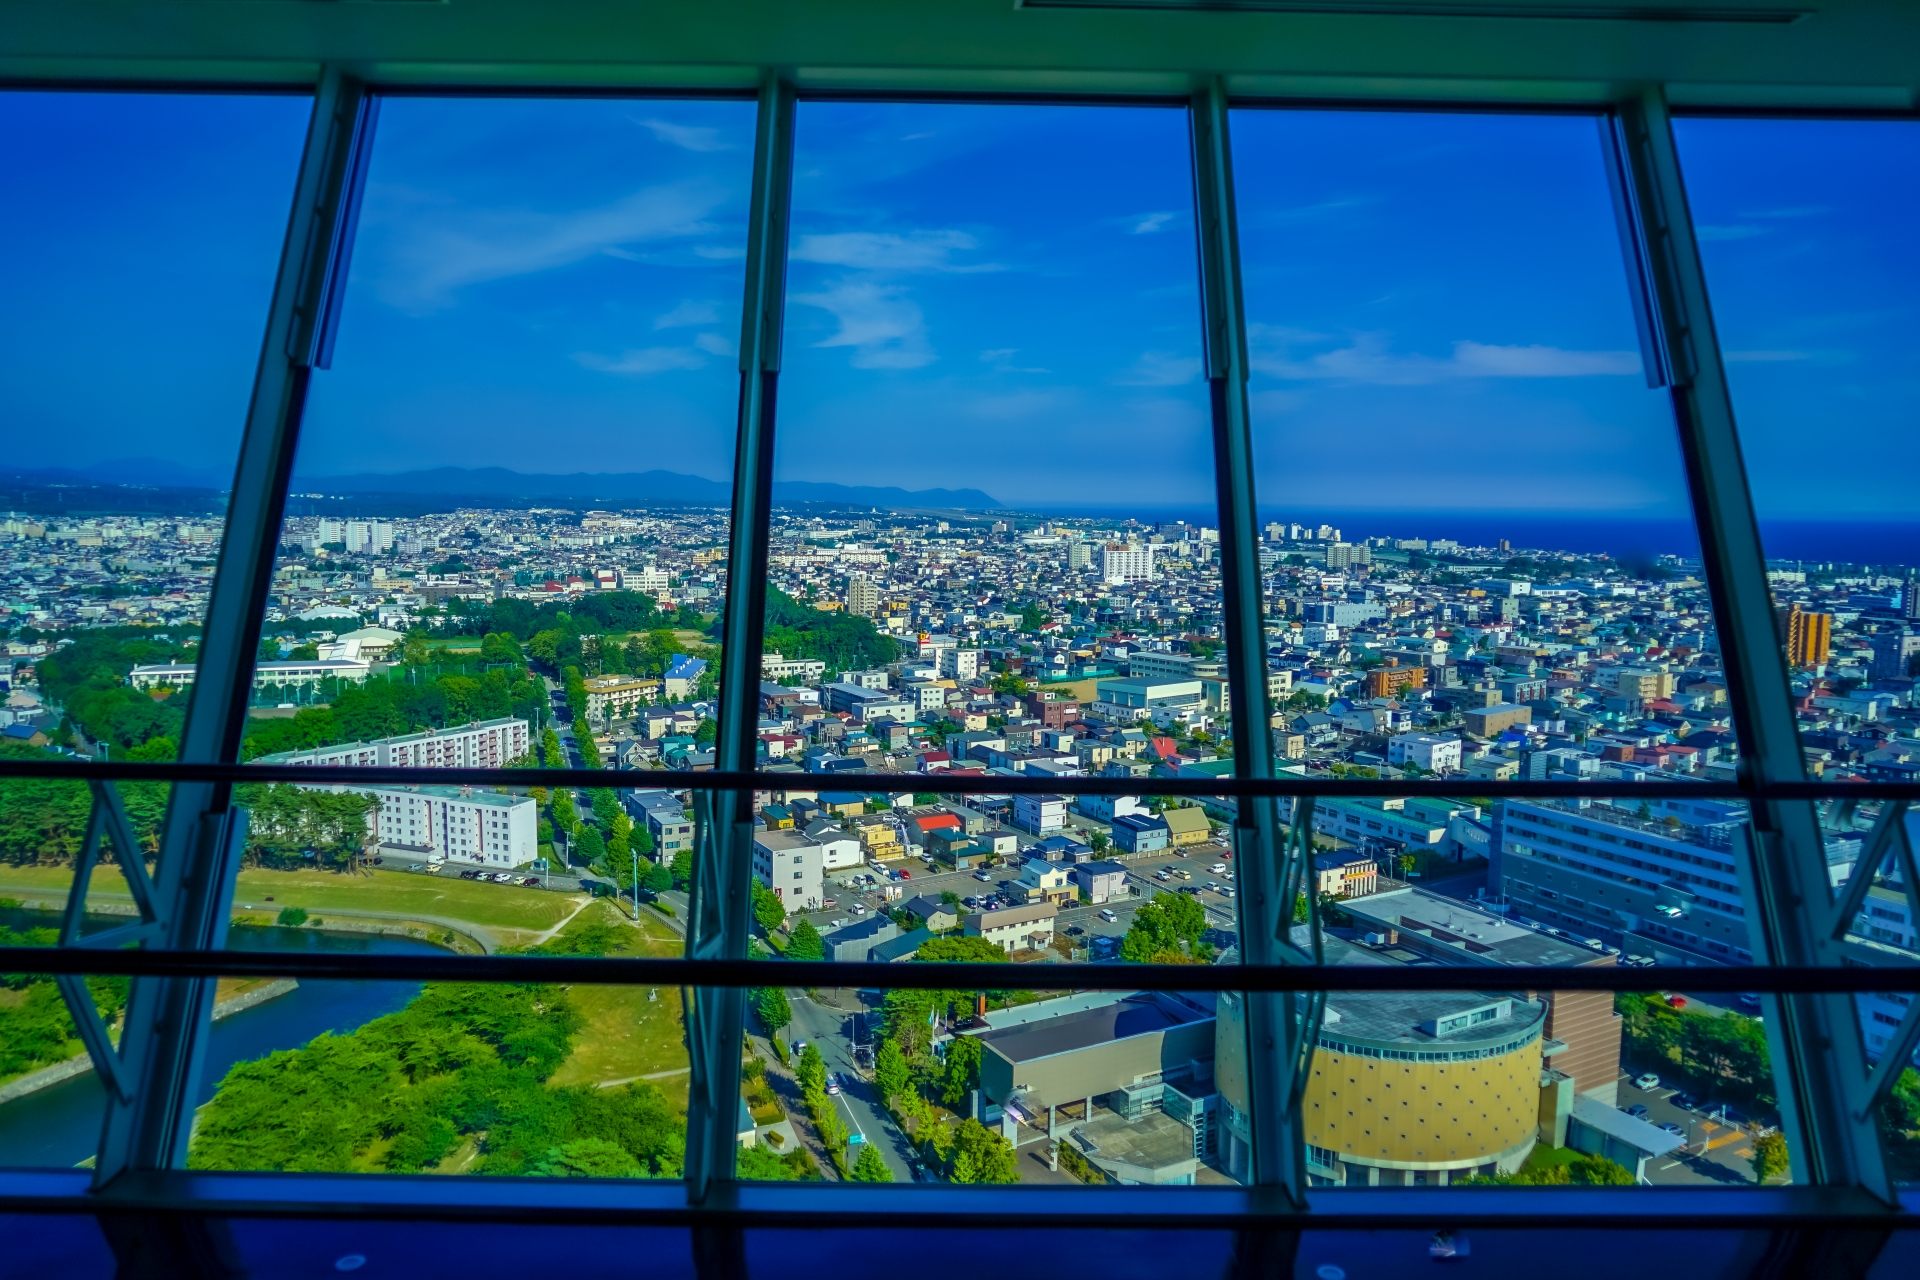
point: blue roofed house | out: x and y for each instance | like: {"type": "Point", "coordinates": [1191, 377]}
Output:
{"type": "Point", "coordinates": [1140, 833]}
{"type": "Point", "coordinates": [682, 674]}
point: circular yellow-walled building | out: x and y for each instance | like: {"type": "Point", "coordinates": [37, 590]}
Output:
{"type": "Point", "coordinates": [1410, 1089]}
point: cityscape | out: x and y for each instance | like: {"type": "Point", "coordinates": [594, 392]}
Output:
{"type": "Point", "coordinates": [940, 644]}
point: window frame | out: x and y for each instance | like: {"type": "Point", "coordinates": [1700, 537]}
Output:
{"type": "Point", "coordinates": [1826, 1089]}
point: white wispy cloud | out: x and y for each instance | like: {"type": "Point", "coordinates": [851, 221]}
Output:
{"type": "Point", "coordinates": [1368, 358]}
{"type": "Point", "coordinates": [1148, 223]}
{"type": "Point", "coordinates": [887, 251]}
{"type": "Point", "coordinates": [643, 361]}
{"type": "Point", "coordinates": [688, 313]}
{"type": "Point", "coordinates": [881, 322]}
{"type": "Point", "coordinates": [1727, 231]}
{"type": "Point", "coordinates": [715, 343]}
{"type": "Point", "coordinates": [687, 137]}
{"type": "Point", "coordinates": [431, 260]}
{"type": "Point", "coordinates": [1002, 361]}
{"type": "Point", "coordinates": [1158, 369]}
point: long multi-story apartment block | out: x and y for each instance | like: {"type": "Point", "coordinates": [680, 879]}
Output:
{"type": "Point", "coordinates": [617, 697]}
{"type": "Point", "coordinates": [1665, 884]}
{"type": "Point", "coordinates": [454, 824]}
{"type": "Point", "coordinates": [484, 744]}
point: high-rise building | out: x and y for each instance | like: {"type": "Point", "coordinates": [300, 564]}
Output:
{"type": "Point", "coordinates": [1345, 555]}
{"type": "Point", "coordinates": [1122, 562]}
{"type": "Point", "coordinates": [1808, 636]}
{"type": "Point", "coordinates": [368, 537]}
{"type": "Point", "coordinates": [1893, 651]}
{"type": "Point", "coordinates": [863, 597]}
{"type": "Point", "coordinates": [1910, 597]}
{"type": "Point", "coordinates": [1079, 556]}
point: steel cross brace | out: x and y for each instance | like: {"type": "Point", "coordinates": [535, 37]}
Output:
{"type": "Point", "coordinates": [1817, 1049]}
{"type": "Point", "coordinates": [723, 844]}
{"type": "Point", "coordinates": [1281, 1028]}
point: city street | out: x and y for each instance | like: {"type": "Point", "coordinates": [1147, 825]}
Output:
{"type": "Point", "coordinates": [828, 1025]}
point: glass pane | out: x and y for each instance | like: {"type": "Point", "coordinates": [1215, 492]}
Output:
{"type": "Point", "coordinates": [1487, 1087]}
{"type": "Point", "coordinates": [1510, 588]}
{"type": "Point", "coordinates": [993, 278]}
{"type": "Point", "coordinates": [1802, 229]}
{"type": "Point", "coordinates": [538, 333]}
{"type": "Point", "coordinates": [1015, 1086]}
{"type": "Point", "coordinates": [450, 1077]}
{"type": "Point", "coordinates": [165, 212]}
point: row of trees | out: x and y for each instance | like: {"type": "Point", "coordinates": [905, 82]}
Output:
{"type": "Point", "coordinates": [1723, 1057]}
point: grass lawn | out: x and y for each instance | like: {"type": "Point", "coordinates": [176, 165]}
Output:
{"type": "Point", "coordinates": [626, 1034]}
{"type": "Point", "coordinates": [411, 894]}
{"type": "Point", "coordinates": [1544, 1157]}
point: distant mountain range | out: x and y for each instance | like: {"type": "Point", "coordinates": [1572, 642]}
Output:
{"type": "Point", "coordinates": [435, 487]}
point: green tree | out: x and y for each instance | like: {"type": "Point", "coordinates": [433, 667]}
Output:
{"type": "Point", "coordinates": [1769, 1157]}
{"type": "Point", "coordinates": [682, 868]}
{"type": "Point", "coordinates": [870, 1167]}
{"type": "Point", "coordinates": [805, 943]}
{"type": "Point", "coordinates": [767, 908]}
{"type": "Point", "coordinates": [963, 1070]}
{"type": "Point", "coordinates": [293, 916]}
{"type": "Point", "coordinates": [588, 1158]}
{"type": "Point", "coordinates": [1167, 927]}
{"type": "Point", "coordinates": [811, 1070]}
{"type": "Point", "coordinates": [657, 880]}
{"type": "Point", "coordinates": [982, 1156]}
{"type": "Point", "coordinates": [771, 1006]}
{"type": "Point", "coordinates": [890, 1069]}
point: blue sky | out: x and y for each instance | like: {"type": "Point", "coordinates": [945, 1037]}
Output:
{"type": "Point", "coordinates": [1807, 230]}
{"type": "Point", "coordinates": [551, 286]}
{"type": "Point", "coordinates": [1439, 321]}
{"type": "Point", "coordinates": [988, 296]}
{"type": "Point", "coordinates": [139, 235]}
{"type": "Point", "coordinates": [995, 297]}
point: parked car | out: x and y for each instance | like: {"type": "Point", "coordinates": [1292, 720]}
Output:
{"type": "Point", "coordinates": [1747, 1002]}
{"type": "Point", "coordinates": [1218, 868]}
{"type": "Point", "coordinates": [1108, 915]}
{"type": "Point", "coordinates": [1647, 1081]}
{"type": "Point", "coordinates": [1676, 1002]}
{"type": "Point", "coordinates": [983, 877]}
{"type": "Point", "coordinates": [1638, 1111]}
{"type": "Point", "coordinates": [1673, 1129]}
{"type": "Point", "coordinates": [531, 882]}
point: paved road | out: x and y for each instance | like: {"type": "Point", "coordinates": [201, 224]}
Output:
{"type": "Point", "coordinates": [830, 1027]}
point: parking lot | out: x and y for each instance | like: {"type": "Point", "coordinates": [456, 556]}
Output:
{"type": "Point", "coordinates": [1718, 1142]}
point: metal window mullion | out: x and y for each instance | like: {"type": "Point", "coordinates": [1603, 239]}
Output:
{"type": "Point", "coordinates": [723, 867]}
{"type": "Point", "coordinates": [1818, 1053]}
{"type": "Point", "coordinates": [1279, 1025]}
{"type": "Point", "coordinates": [167, 1018]}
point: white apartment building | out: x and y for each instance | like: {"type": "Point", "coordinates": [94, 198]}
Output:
{"type": "Point", "coordinates": [369, 537]}
{"type": "Point", "coordinates": [617, 697]}
{"type": "Point", "coordinates": [665, 819]}
{"type": "Point", "coordinates": [1022, 928]}
{"type": "Point", "coordinates": [648, 579]}
{"type": "Point", "coordinates": [792, 866]}
{"type": "Point", "coordinates": [1123, 562]}
{"type": "Point", "coordinates": [1436, 753]}
{"type": "Point", "coordinates": [960, 664]}
{"type": "Point", "coordinates": [484, 744]}
{"type": "Point", "coordinates": [453, 824]}
{"type": "Point", "coordinates": [1041, 815]}
{"type": "Point", "coordinates": [286, 674]}
{"type": "Point", "coordinates": [775, 667]}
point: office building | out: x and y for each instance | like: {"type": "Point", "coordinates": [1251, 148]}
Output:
{"type": "Point", "coordinates": [1668, 889]}
{"type": "Point", "coordinates": [791, 865]}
